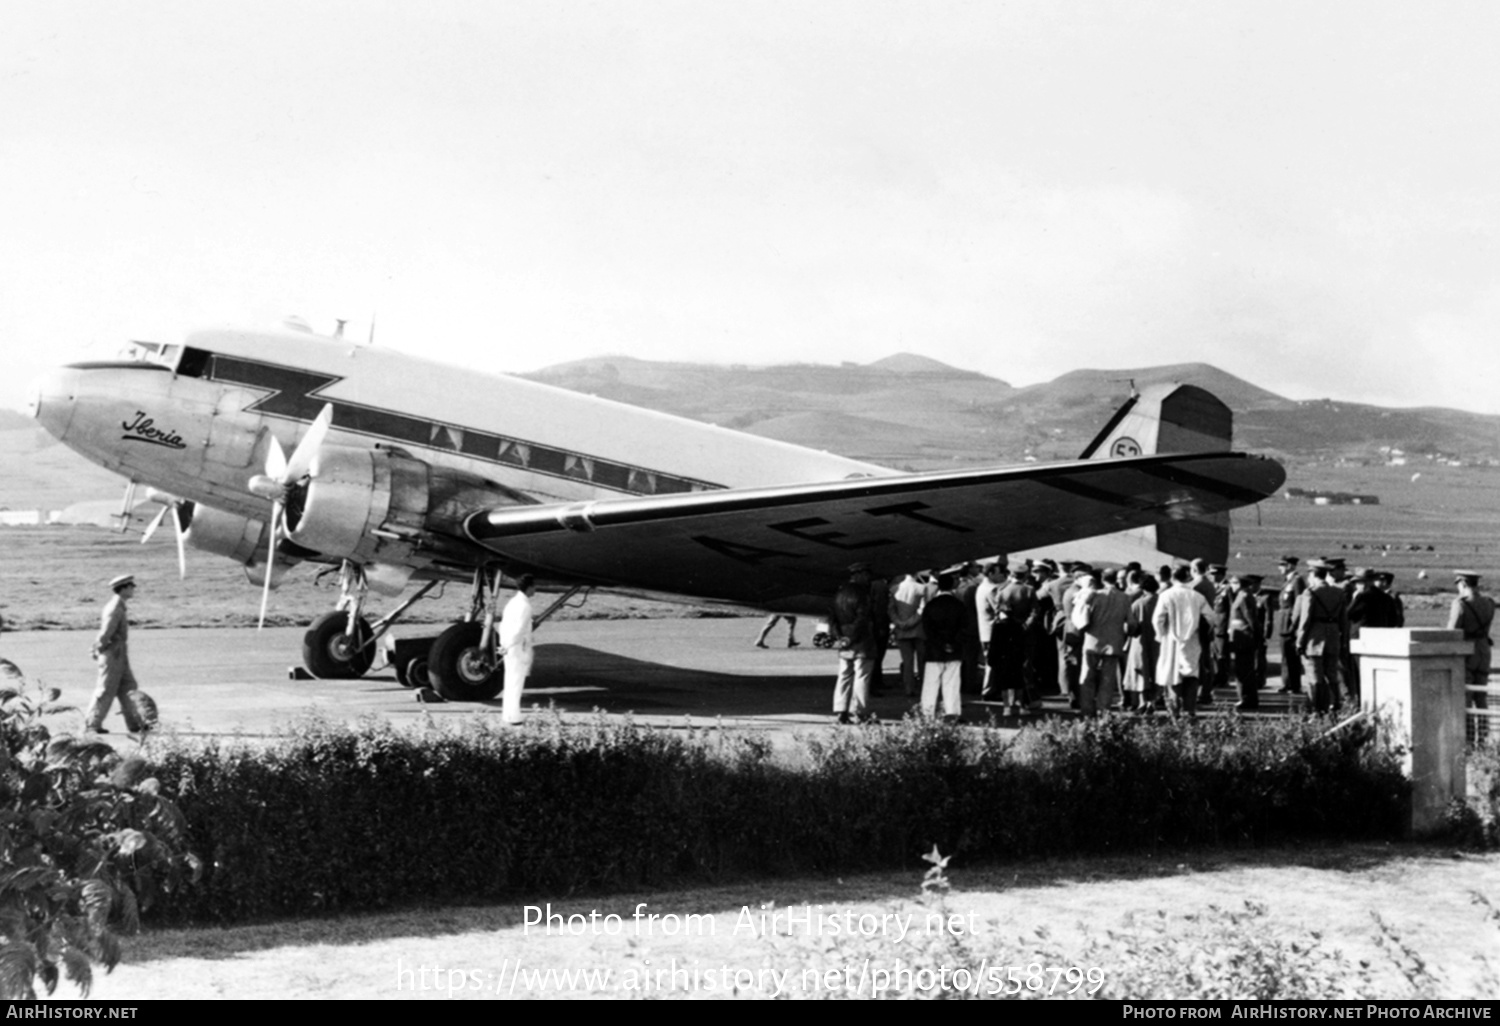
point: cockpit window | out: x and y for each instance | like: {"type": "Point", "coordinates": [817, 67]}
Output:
{"type": "Point", "coordinates": [159, 353]}
{"type": "Point", "coordinates": [182, 360]}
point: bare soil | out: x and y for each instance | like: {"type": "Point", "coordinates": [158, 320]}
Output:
{"type": "Point", "coordinates": [1446, 941]}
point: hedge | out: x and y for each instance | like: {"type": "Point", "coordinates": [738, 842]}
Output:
{"type": "Point", "coordinates": [330, 818]}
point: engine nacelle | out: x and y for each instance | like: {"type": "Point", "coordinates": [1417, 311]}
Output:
{"type": "Point", "coordinates": [225, 534]}
{"type": "Point", "coordinates": [380, 505]}
{"type": "Point", "coordinates": [241, 539]}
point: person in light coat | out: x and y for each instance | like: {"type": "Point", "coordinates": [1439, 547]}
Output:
{"type": "Point", "coordinates": [1180, 613]}
{"type": "Point", "coordinates": [906, 627]}
{"type": "Point", "coordinates": [515, 644]}
{"type": "Point", "coordinates": [995, 578]}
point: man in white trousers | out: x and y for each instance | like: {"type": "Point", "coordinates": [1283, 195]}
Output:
{"type": "Point", "coordinates": [515, 643]}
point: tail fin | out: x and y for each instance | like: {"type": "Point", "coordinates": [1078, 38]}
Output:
{"type": "Point", "coordinates": [1164, 418]}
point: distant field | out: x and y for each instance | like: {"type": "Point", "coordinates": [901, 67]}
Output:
{"type": "Point", "coordinates": [1454, 511]}
{"type": "Point", "coordinates": [54, 578]}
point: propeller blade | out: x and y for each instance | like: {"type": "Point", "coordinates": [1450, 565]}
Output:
{"type": "Point", "coordinates": [275, 460]}
{"type": "Point", "coordinates": [265, 593]}
{"type": "Point", "coordinates": [181, 542]}
{"type": "Point", "coordinates": [155, 523]}
{"type": "Point", "coordinates": [281, 473]}
{"type": "Point", "coordinates": [301, 462]}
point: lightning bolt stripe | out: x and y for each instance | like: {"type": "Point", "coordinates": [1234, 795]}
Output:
{"type": "Point", "coordinates": [296, 394]}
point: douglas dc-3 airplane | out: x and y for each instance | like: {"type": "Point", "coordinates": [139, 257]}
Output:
{"type": "Point", "coordinates": [408, 472]}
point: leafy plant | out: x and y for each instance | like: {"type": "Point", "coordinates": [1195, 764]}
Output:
{"type": "Point", "coordinates": [87, 842]}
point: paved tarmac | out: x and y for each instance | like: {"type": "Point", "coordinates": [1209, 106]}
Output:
{"type": "Point", "coordinates": [216, 681]}
{"type": "Point", "coordinates": [235, 681]}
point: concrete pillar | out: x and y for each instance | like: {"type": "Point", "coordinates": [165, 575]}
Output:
{"type": "Point", "coordinates": [1414, 680]}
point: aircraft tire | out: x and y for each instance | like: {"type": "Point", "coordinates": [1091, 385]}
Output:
{"type": "Point", "coordinates": [411, 672]}
{"type": "Point", "coordinates": [409, 660]}
{"type": "Point", "coordinates": [455, 669]}
{"type": "Point", "coordinates": [326, 651]}
{"type": "Point", "coordinates": [417, 673]}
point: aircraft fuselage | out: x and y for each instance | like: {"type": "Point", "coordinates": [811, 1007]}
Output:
{"type": "Point", "coordinates": [197, 425]}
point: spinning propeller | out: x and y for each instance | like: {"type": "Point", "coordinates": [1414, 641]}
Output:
{"type": "Point", "coordinates": [281, 477]}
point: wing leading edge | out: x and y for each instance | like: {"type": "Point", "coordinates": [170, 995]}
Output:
{"type": "Point", "coordinates": [789, 546]}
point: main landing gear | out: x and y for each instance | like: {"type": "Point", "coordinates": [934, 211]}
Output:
{"type": "Point", "coordinates": [331, 650]}
{"type": "Point", "coordinates": [462, 664]}
{"type": "Point", "coordinates": [465, 662]}
{"type": "Point", "coordinates": [341, 645]}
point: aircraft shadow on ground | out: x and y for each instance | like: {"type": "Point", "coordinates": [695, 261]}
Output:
{"type": "Point", "coordinates": [577, 678]}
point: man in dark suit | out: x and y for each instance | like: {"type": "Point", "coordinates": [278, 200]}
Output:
{"type": "Point", "coordinates": [1292, 587]}
{"type": "Point", "coordinates": [1322, 623]}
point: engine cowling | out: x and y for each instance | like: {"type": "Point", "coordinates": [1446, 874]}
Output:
{"type": "Point", "coordinates": [226, 534]}
{"type": "Point", "coordinates": [245, 540]}
{"type": "Point", "coordinates": [380, 505]}
{"type": "Point", "coordinates": [348, 494]}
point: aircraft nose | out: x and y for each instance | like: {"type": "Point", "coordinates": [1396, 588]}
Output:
{"type": "Point", "coordinates": [51, 398]}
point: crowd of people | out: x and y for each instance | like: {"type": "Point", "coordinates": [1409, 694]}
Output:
{"type": "Point", "coordinates": [1119, 638]}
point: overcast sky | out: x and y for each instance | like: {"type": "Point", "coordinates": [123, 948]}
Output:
{"type": "Point", "coordinates": [1306, 195]}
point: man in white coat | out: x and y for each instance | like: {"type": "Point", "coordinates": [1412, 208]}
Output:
{"type": "Point", "coordinates": [1179, 612]}
{"type": "Point", "coordinates": [515, 643]}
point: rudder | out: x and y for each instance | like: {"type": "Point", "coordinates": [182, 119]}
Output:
{"type": "Point", "coordinates": [1160, 419]}
{"type": "Point", "coordinates": [1165, 418]}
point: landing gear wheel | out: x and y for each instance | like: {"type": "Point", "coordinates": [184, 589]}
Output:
{"type": "Point", "coordinates": [410, 662]}
{"type": "Point", "coordinates": [412, 673]}
{"type": "Point", "coordinates": [417, 675]}
{"type": "Point", "coordinates": [328, 652]}
{"type": "Point", "coordinates": [459, 670]}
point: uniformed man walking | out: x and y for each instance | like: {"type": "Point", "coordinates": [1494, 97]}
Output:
{"type": "Point", "coordinates": [111, 651]}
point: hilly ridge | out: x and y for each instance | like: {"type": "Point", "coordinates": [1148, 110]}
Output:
{"type": "Point", "coordinates": [913, 411]}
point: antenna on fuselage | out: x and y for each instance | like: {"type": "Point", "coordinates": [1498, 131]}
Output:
{"type": "Point", "coordinates": [371, 342]}
{"type": "Point", "coordinates": [338, 331]}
